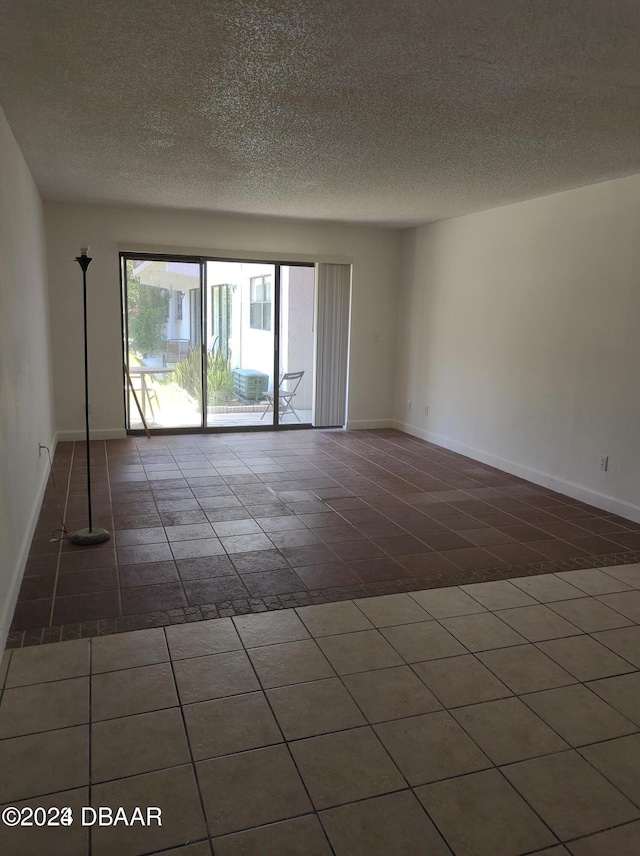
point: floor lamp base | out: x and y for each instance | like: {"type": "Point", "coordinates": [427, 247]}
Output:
{"type": "Point", "coordinates": [84, 537]}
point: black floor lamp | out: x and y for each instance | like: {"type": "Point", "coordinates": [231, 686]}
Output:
{"type": "Point", "coordinates": [89, 535]}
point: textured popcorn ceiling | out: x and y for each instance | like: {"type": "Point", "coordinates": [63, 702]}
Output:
{"type": "Point", "coordinates": [365, 110]}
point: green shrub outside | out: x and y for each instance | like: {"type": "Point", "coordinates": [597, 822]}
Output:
{"type": "Point", "coordinates": [188, 374]}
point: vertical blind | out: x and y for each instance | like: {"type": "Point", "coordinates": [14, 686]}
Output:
{"type": "Point", "coordinates": [332, 344]}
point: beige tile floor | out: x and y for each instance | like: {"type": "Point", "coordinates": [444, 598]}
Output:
{"type": "Point", "coordinates": [494, 719]}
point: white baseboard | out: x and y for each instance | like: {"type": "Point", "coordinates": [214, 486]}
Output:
{"type": "Point", "coordinates": [407, 428]}
{"type": "Point", "coordinates": [97, 434]}
{"type": "Point", "coordinates": [8, 608]}
{"type": "Point", "coordinates": [363, 424]}
{"type": "Point", "coordinates": [575, 491]}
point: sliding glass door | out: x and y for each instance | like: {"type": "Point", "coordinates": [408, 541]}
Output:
{"type": "Point", "coordinates": [162, 343]}
{"type": "Point", "coordinates": [240, 337]}
{"type": "Point", "coordinates": [213, 343]}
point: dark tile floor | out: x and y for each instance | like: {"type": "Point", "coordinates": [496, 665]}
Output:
{"type": "Point", "coordinates": [223, 524]}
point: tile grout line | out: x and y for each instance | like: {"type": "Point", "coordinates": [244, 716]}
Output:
{"type": "Point", "coordinates": [59, 560]}
{"type": "Point", "coordinates": [187, 738]}
{"type": "Point", "coordinates": [263, 690]}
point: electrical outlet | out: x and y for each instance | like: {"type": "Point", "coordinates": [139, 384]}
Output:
{"type": "Point", "coordinates": [408, 405]}
{"type": "Point", "coordinates": [604, 462]}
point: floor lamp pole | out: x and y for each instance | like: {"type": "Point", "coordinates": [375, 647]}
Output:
{"type": "Point", "coordinates": [89, 535]}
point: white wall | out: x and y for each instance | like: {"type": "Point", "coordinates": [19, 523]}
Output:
{"type": "Point", "coordinates": [298, 330]}
{"type": "Point", "coordinates": [519, 328]}
{"type": "Point", "coordinates": [255, 346]}
{"type": "Point", "coordinates": [375, 254]}
{"type": "Point", "coordinates": [26, 401]}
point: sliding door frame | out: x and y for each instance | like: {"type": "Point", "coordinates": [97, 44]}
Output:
{"type": "Point", "coordinates": [204, 302]}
